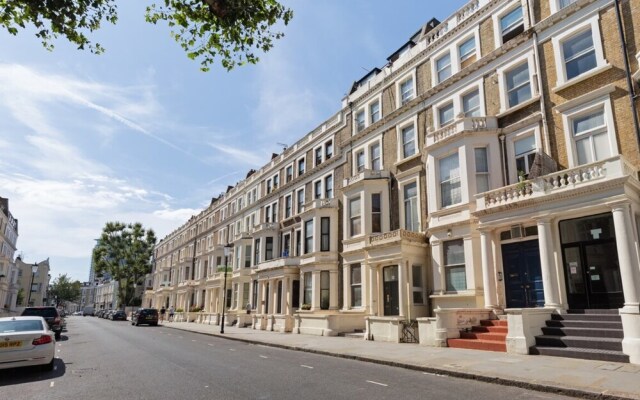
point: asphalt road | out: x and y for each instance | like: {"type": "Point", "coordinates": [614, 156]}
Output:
{"type": "Point", "coordinates": [101, 359]}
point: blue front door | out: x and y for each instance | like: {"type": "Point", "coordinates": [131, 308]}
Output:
{"type": "Point", "coordinates": [522, 274]}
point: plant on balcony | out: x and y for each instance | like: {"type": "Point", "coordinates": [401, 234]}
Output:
{"type": "Point", "coordinates": [221, 268]}
{"type": "Point", "coordinates": [179, 310]}
{"type": "Point", "coordinates": [522, 181]}
{"type": "Point", "coordinates": [195, 309]}
{"type": "Point", "coordinates": [305, 307]}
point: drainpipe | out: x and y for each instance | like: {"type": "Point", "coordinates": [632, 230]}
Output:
{"type": "Point", "coordinates": [536, 55]}
{"type": "Point", "coordinates": [627, 69]}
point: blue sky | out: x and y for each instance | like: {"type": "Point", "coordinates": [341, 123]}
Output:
{"type": "Point", "coordinates": [140, 134]}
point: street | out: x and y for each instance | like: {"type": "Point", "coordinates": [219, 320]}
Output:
{"type": "Point", "coordinates": [102, 359]}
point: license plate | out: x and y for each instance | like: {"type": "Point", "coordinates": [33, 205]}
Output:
{"type": "Point", "coordinates": [149, 317]}
{"type": "Point", "coordinates": [11, 344]}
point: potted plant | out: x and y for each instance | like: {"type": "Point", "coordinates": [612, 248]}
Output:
{"type": "Point", "coordinates": [305, 307]}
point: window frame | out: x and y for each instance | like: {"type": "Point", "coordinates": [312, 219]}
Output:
{"type": "Point", "coordinates": [502, 82]}
{"type": "Point", "coordinates": [325, 234]}
{"type": "Point", "coordinates": [353, 218]}
{"type": "Point", "coordinates": [497, 18]}
{"type": "Point", "coordinates": [511, 139]}
{"type": "Point", "coordinates": [558, 49]}
{"type": "Point", "coordinates": [412, 122]}
{"type": "Point", "coordinates": [448, 266]}
{"type": "Point", "coordinates": [403, 209]}
{"type": "Point", "coordinates": [440, 182]}
{"type": "Point", "coordinates": [399, 99]}
{"type": "Point", "coordinates": [568, 116]}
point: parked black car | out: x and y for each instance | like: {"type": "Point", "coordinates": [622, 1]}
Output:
{"type": "Point", "coordinates": [145, 316]}
{"type": "Point", "coordinates": [118, 315]}
{"type": "Point", "coordinates": [50, 314]}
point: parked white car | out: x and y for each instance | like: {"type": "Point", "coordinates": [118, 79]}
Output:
{"type": "Point", "coordinates": [26, 341]}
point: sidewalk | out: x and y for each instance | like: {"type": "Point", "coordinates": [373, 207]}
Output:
{"type": "Point", "coordinates": [580, 378]}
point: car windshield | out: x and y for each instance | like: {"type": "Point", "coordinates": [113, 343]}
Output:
{"type": "Point", "coordinates": [149, 311]}
{"type": "Point", "coordinates": [40, 312]}
{"type": "Point", "coordinates": [20, 326]}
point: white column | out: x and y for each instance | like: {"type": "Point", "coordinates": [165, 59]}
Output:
{"type": "Point", "coordinates": [346, 289]}
{"type": "Point", "coordinates": [206, 301]}
{"type": "Point", "coordinates": [315, 290]}
{"type": "Point", "coordinates": [629, 272]}
{"type": "Point", "coordinates": [402, 290]}
{"type": "Point", "coordinates": [259, 299]}
{"type": "Point", "coordinates": [371, 290]}
{"type": "Point", "coordinates": [288, 296]}
{"type": "Point", "coordinates": [333, 289]}
{"type": "Point", "coordinates": [488, 271]}
{"type": "Point", "coordinates": [547, 263]}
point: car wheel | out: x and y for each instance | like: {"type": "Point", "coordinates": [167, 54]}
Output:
{"type": "Point", "coordinates": [49, 366]}
{"type": "Point", "coordinates": [58, 335]}
{"type": "Point", "coordinates": [133, 323]}
{"type": "Point", "coordinates": [154, 324]}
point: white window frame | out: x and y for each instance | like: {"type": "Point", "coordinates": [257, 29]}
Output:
{"type": "Point", "coordinates": [360, 111]}
{"type": "Point", "coordinates": [401, 184]}
{"type": "Point", "coordinates": [300, 210]}
{"type": "Point", "coordinates": [603, 102]}
{"type": "Point", "coordinates": [462, 168]}
{"type": "Point", "coordinates": [457, 103]}
{"type": "Point", "coordinates": [555, 6]}
{"type": "Point", "coordinates": [497, 16]}
{"type": "Point", "coordinates": [440, 107]}
{"type": "Point", "coordinates": [365, 107]}
{"type": "Point", "coordinates": [502, 82]}
{"type": "Point", "coordinates": [510, 140]}
{"type": "Point", "coordinates": [486, 173]}
{"type": "Point", "coordinates": [454, 54]}
{"type": "Point", "coordinates": [366, 148]}
{"type": "Point", "coordinates": [558, 40]}
{"type": "Point", "coordinates": [315, 159]}
{"type": "Point", "coordinates": [304, 157]}
{"type": "Point", "coordinates": [350, 217]}
{"type": "Point", "coordinates": [404, 124]}
{"type": "Point", "coordinates": [291, 211]}
{"type": "Point", "coordinates": [324, 186]}
{"type": "Point", "coordinates": [318, 184]}
{"type": "Point", "coordinates": [436, 71]}
{"type": "Point", "coordinates": [411, 75]}
{"type": "Point", "coordinates": [291, 165]}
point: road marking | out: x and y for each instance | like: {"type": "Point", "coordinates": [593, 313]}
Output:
{"type": "Point", "coordinates": [377, 383]}
{"type": "Point", "coordinates": [193, 340]}
{"type": "Point", "coordinates": [261, 356]}
{"type": "Point", "coordinates": [51, 384]}
{"type": "Point", "coordinates": [306, 366]}
{"type": "Point", "coordinates": [232, 349]}
{"type": "Point", "coordinates": [210, 344]}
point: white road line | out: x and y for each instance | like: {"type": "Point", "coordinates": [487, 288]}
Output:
{"type": "Point", "coordinates": [431, 373]}
{"type": "Point", "coordinates": [210, 344]}
{"type": "Point", "coordinates": [193, 340]}
{"type": "Point", "coordinates": [261, 356]}
{"type": "Point", "coordinates": [232, 349]}
{"type": "Point", "coordinates": [377, 383]}
{"type": "Point", "coordinates": [51, 385]}
{"type": "Point", "coordinates": [306, 366]}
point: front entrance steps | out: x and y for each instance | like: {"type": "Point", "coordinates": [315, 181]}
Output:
{"type": "Point", "coordinates": [356, 334]}
{"type": "Point", "coordinates": [490, 335]}
{"type": "Point", "coordinates": [586, 334]}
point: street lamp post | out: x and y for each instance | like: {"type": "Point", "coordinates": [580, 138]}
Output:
{"type": "Point", "coordinates": [227, 252]}
{"type": "Point", "coordinates": [34, 269]}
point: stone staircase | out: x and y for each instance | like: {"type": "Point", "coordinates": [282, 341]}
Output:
{"type": "Point", "coordinates": [585, 334]}
{"type": "Point", "coordinates": [490, 335]}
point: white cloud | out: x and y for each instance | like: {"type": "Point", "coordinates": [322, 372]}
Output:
{"type": "Point", "coordinates": [237, 155]}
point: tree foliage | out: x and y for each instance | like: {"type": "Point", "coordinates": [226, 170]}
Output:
{"type": "Point", "coordinates": [233, 30]}
{"type": "Point", "coordinates": [125, 252]}
{"type": "Point", "coordinates": [64, 290]}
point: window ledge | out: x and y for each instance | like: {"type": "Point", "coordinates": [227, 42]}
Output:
{"type": "Point", "coordinates": [580, 78]}
{"type": "Point", "coordinates": [405, 160]}
{"type": "Point", "coordinates": [519, 106]}
{"type": "Point", "coordinates": [468, 293]}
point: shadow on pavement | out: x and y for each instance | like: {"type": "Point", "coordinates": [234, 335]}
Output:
{"type": "Point", "coordinates": [13, 376]}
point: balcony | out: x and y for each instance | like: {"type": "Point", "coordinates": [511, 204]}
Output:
{"type": "Point", "coordinates": [266, 227]}
{"type": "Point", "coordinates": [394, 237]}
{"type": "Point", "coordinates": [365, 175]}
{"type": "Point", "coordinates": [458, 128]}
{"type": "Point", "coordinates": [241, 235]}
{"type": "Point", "coordinates": [588, 178]}
{"type": "Point", "coordinates": [279, 263]}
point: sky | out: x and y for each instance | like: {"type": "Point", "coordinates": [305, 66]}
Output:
{"type": "Point", "coordinates": [140, 134]}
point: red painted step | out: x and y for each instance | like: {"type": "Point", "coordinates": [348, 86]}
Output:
{"type": "Point", "coordinates": [490, 335]}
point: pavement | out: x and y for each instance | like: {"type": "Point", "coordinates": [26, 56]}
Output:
{"type": "Point", "coordinates": [578, 378]}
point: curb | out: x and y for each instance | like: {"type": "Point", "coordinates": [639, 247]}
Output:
{"type": "Point", "coordinates": [538, 387]}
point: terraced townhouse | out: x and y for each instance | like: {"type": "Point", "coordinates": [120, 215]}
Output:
{"type": "Point", "coordinates": [8, 270]}
{"type": "Point", "coordinates": [479, 190]}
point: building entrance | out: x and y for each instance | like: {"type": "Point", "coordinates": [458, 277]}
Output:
{"type": "Point", "coordinates": [523, 275]}
{"type": "Point", "coordinates": [390, 291]}
{"type": "Point", "coordinates": [591, 268]}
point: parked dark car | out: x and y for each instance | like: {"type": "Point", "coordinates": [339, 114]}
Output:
{"type": "Point", "coordinates": [98, 313]}
{"type": "Point", "coordinates": [118, 315]}
{"type": "Point", "coordinates": [50, 314]}
{"type": "Point", "coordinates": [145, 316]}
